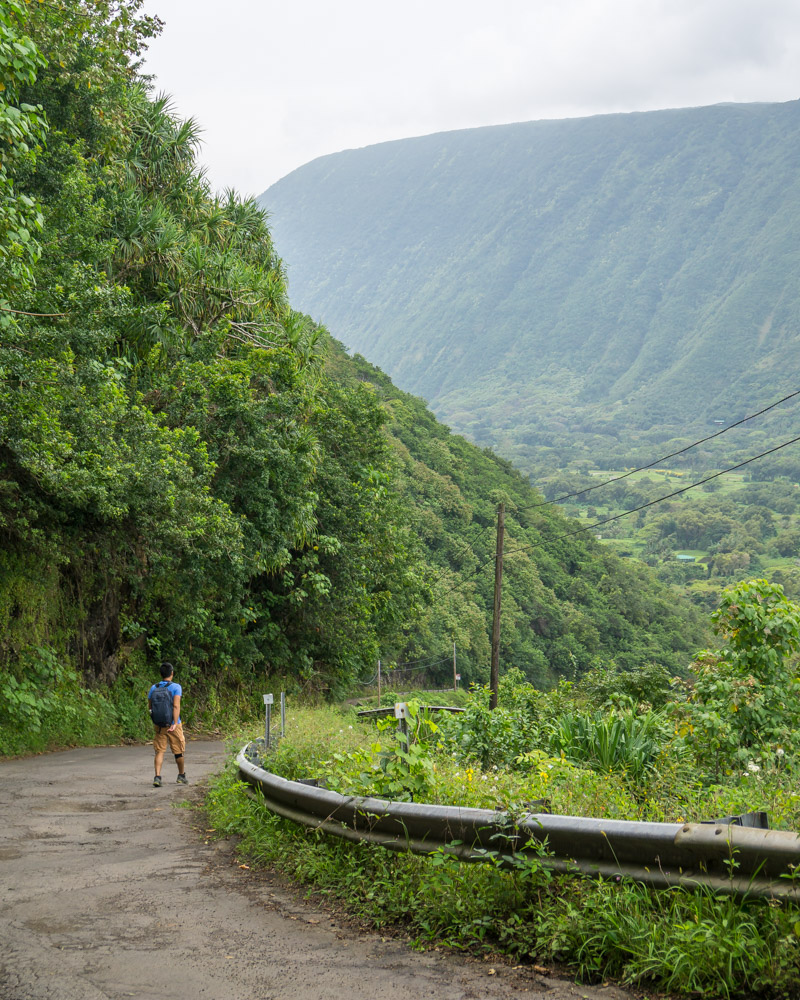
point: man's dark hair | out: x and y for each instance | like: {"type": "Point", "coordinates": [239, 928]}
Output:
{"type": "Point", "coordinates": [166, 670]}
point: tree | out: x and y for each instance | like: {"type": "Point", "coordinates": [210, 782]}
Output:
{"type": "Point", "coordinates": [746, 693]}
{"type": "Point", "coordinates": [22, 130]}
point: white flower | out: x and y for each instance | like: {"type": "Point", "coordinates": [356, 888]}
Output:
{"type": "Point", "coordinates": [779, 751]}
{"type": "Point", "coordinates": [753, 768]}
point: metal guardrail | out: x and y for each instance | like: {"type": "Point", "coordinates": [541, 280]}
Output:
{"type": "Point", "coordinates": [379, 713]}
{"type": "Point", "coordinates": [725, 858]}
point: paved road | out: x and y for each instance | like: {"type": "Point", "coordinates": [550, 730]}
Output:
{"type": "Point", "coordinates": [109, 890]}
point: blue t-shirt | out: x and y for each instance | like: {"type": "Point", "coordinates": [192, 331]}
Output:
{"type": "Point", "coordinates": [172, 687]}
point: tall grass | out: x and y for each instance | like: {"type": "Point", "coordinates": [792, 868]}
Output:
{"type": "Point", "coordinates": [629, 742]}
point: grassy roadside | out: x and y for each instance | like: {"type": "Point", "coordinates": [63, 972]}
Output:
{"type": "Point", "coordinates": [671, 940]}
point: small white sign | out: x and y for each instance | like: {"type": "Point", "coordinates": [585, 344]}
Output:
{"type": "Point", "coordinates": [458, 677]}
{"type": "Point", "coordinates": [401, 710]}
{"type": "Point", "coordinates": [267, 699]}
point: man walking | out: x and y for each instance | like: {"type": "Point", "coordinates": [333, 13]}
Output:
{"type": "Point", "coordinates": [164, 700]}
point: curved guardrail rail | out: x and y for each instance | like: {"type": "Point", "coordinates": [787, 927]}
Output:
{"type": "Point", "coordinates": [380, 713]}
{"type": "Point", "coordinates": [725, 858]}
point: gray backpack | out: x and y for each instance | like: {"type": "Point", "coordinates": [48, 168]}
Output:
{"type": "Point", "coordinates": [161, 706]}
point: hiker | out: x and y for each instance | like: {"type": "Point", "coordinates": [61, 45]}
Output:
{"type": "Point", "coordinates": [164, 700]}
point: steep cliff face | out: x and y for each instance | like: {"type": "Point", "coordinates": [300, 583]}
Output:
{"type": "Point", "coordinates": [622, 275]}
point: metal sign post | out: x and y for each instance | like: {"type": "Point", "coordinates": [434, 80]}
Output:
{"type": "Point", "coordinates": [268, 704]}
{"type": "Point", "coordinates": [283, 714]}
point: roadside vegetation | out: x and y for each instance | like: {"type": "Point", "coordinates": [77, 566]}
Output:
{"type": "Point", "coordinates": [193, 471]}
{"type": "Point", "coordinates": [621, 745]}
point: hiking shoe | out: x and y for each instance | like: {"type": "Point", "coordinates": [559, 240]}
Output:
{"type": "Point", "coordinates": [182, 779]}
{"type": "Point", "coordinates": [157, 781]}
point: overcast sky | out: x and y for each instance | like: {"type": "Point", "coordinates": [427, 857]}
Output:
{"type": "Point", "coordinates": [275, 85]}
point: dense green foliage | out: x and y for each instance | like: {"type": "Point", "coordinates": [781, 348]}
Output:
{"type": "Point", "coordinates": [748, 691]}
{"type": "Point", "coordinates": [567, 289]}
{"type": "Point", "coordinates": [191, 470]}
{"type": "Point", "coordinates": [622, 745]}
{"type": "Point", "coordinates": [165, 418]}
{"type": "Point", "coordinates": [628, 744]}
{"type": "Point", "coordinates": [568, 603]}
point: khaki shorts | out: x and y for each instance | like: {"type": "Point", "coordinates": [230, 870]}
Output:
{"type": "Point", "coordinates": [177, 743]}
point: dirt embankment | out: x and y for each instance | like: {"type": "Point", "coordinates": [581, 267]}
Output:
{"type": "Point", "coordinates": [109, 889]}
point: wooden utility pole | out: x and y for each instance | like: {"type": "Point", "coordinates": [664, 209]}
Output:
{"type": "Point", "coordinates": [379, 683]}
{"type": "Point", "coordinates": [494, 676]}
{"type": "Point", "coordinates": [455, 674]}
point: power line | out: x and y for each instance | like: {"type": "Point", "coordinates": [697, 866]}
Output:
{"type": "Point", "coordinates": [633, 510]}
{"type": "Point", "coordinates": [472, 573]}
{"type": "Point", "coordinates": [658, 461]}
{"type": "Point", "coordinates": [406, 668]}
{"type": "Point", "coordinates": [422, 659]}
{"type": "Point", "coordinates": [668, 496]}
{"type": "Point", "coordinates": [424, 666]}
{"type": "Point", "coordinates": [470, 544]}
{"type": "Point", "coordinates": [480, 534]}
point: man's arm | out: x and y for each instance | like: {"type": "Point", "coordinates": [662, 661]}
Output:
{"type": "Point", "coordinates": [176, 711]}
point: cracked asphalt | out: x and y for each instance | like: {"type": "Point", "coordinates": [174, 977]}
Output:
{"type": "Point", "coordinates": [108, 889]}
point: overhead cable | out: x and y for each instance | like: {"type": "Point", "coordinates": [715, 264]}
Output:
{"type": "Point", "coordinates": [658, 461]}
{"type": "Point", "coordinates": [668, 496]}
{"type": "Point", "coordinates": [425, 666]}
{"type": "Point", "coordinates": [422, 659]}
{"type": "Point", "coordinates": [616, 517]}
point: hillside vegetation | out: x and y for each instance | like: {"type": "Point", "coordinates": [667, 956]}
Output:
{"type": "Point", "coordinates": [567, 290]}
{"type": "Point", "coordinates": [569, 603]}
{"type": "Point", "coordinates": [192, 470]}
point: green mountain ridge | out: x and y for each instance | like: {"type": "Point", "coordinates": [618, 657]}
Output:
{"type": "Point", "coordinates": [613, 280]}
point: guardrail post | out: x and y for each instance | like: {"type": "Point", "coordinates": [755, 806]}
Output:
{"type": "Point", "coordinates": [401, 714]}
